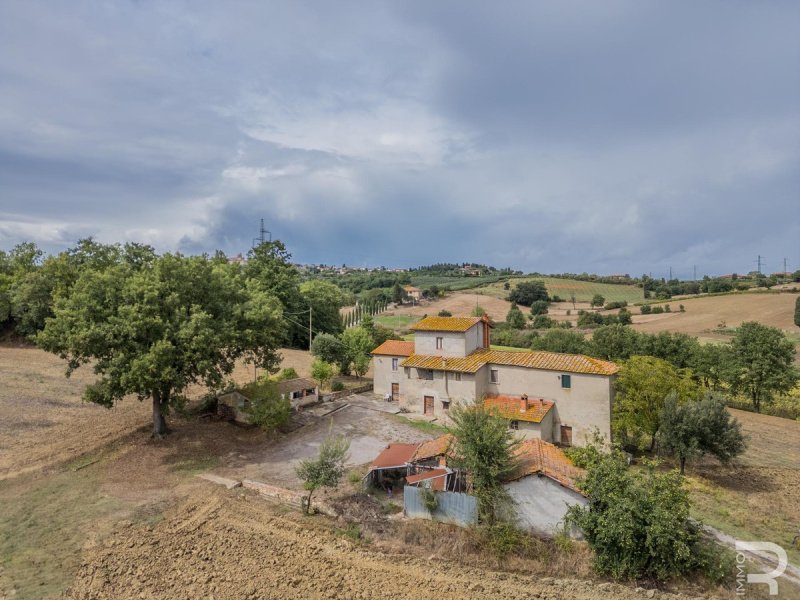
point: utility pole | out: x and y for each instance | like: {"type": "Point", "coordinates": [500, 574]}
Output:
{"type": "Point", "coordinates": [759, 263]}
{"type": "Point", "coordinates": [310, 312]}
{"type": "Point", "coordinates": [783, 277]}
{"type": "Point", "coordinates": [694, 272]}
{"type": "Point", "coordinates": [670, 273]}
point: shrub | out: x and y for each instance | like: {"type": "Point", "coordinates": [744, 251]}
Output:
{"type": "Point", "coordinates": [445, 313]}
{"type": "Point", "coordinates": [624, 317]}
{"type": "Point", "coordinates": [667, 308]}
{"type": "Point", "coordinates": [337, 386]}
{"type": "Point", "coordinates": [430, 500]}
{"type": "Point", "coordinates": [268, 410]}
{"type": "Point", "coordinates": [657, 310]}
{"type": "Point", "coordinates": [542, 322]}
{"type": "Point", "coordinates": [478, 311]}
{"type": "Point", "coordinates": [539, 307]}
{"type": "Point", "coordinates": [617, 304]}
{"type": "Point", "coordinates": [287, 373]}
{"type": "Point", "coordinates": [681, 308]}
{"type": "Point", "coordinates": [598, 300]}
{"type": "Point", "coordinates": [637, 522]}
{"type": "Point", "coordinates": [556, 298]}
{"type": "Point", "coordinates": [646, 309]}
{"type": "Point", "coordinates": [528, 292]}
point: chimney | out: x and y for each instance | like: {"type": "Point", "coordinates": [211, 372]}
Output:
{"type": "Point", "coordinates": [523, 403]}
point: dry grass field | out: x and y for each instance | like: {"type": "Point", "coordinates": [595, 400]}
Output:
{"type": "Point", "coordinates": [757, 498]}
{"type": "Point", "coordinates": [704, 314]}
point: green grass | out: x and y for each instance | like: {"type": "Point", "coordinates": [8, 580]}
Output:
{"type": "Point", "coordinates": [509, 348]}
{"type": "Point", "coordinates": [583, 290]}
{"type": "Point", "coordinates": [425, 426]}
{"type": "Point", "coordinates": [43, 525]}
{"type": "Point", "coordinates": [396, 321]}
{"type": "Point", "coordinates": [455, 283]}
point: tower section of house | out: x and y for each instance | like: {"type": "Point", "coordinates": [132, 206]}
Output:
{"type": "Point", "coordinates": [386, 360]}
{"type": "Point", "coordinates": [554, 397]}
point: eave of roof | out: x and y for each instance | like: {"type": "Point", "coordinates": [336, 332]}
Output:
{"type": "Point", "coordinates": [457, 324]}
{"type": "Point", "coordinates": [548, 361]}
{"type": "Point", "coordinates": [394, 456]}
{"type": "Point", "coordinates": [508, 407]}
{"type": "Point", "coordinates": [395, 348]}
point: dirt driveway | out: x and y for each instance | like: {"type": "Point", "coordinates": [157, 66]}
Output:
{"type": "Point", "coordinates": [361, 420]}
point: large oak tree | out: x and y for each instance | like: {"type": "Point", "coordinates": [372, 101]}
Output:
{"type": "Point", "coordinates": [154, 330]}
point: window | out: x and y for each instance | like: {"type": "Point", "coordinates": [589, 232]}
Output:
{"type": "Point", "coordinates": [424, 374]}
{"type": "Point", "coordinates": [445, 405]}
{"type": "Point", "coordinates": [394, 364]}
{"type": "Point", "coordinates": [494, 376]}
{"type": "Point", "coordinates": [439, 343]}
{"type": "Point", "coordinates": [514, 425]}
{"type": "Point", "coordinates": [566, 381]}
{"type": "Point", "coordinates": [458, 376]}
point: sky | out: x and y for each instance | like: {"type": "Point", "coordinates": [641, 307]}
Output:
{"type": "Point", "coordinates": [614, 136]}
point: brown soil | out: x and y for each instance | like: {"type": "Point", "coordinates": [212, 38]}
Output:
{"type": "Point", "coordinates": [705, 314]}
{"type": "Point", "coordinates": [234, 545]}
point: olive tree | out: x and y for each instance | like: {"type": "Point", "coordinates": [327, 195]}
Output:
{"type": "Point", "coordinates": [327, 468]}
{"type": "Point", "coordinates": [153, 332]}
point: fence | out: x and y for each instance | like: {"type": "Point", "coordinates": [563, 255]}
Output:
{"type": "Point", "coordinates": [452, 507]}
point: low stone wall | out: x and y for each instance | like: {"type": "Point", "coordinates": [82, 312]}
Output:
{"type": "Point", "coordinates": [289, 497]}
{"type": "Point", "coordinates": [367, 387]}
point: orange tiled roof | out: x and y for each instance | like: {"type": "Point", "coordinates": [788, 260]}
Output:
{"type": "Point", "coordinates": [550, 361]}
{"type": "Point", "coordinates": [394, 456]}
{"type": "Point", "coordinates": [433, 448]}
{"type": "Point", "coordinates": [445, 324]}
{"type": "Point", "coordinates": [538, 457]}
{"type": "Point", "coordinates": [508, 407]}
{"type": "Point", "coordinates": [395, 348]}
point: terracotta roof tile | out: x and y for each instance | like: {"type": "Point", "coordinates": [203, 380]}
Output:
{"type": "Point", "coordinates": [445, 324]}
{"type": "Point", "coordinates": [394, 456]}
{"type": "Point", "coordinates": [395, 348]}
{"type": "Point", "coordinates": [510, 407]}
{"type": "Point", "coordinates": [550, 361]}
{"type": "Point", "coordinates": [539, 457]}
{"type": "Point", "coordinates": [433, 448]}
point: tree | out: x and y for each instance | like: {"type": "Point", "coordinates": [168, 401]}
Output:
{"type": "Point", "coordinates": [398, 294]}
{"type": "Point", "coordinates": [361, 365]}
{"type": "Point", "coordinates": [597, 300]}
{"type": "Point", "coordinates": [269, 265]}
{"type": "Point", "coordinates": [560, 340]}
{"type": "Point", "coordinates": [325, 299]}
{"type": "Point", "coordinates": [528, 292]}
{"type": "Point", "coordinates": [797, 312]}
{"type": "Point", "coordinates": [357, 343]}
{"type": "Point", "coordinates": [624, 316]}
{"type": "Point", "coordinates": [637, 522]}
{"type": "Point", "coordinates": [643, 384]}
{"type": "Point", "coordinates": [540, 307]}
{"type": "Point", "coordinates": [615, 342]}
{"type": "Point", "coordinates": [330, 348]}
{"type": "Point", "coordinates": [761, 363]}
{"type": "Point", "coordinates": [322, 371]}
{"type": "Point", "coordinates": [711, 363]}
{"type": "Point", "coordinates": [693, 429]}
{"type": "Point", "coordinates": [327, 469]}
{"type": "Point", "coordinates": [485, 449]}
{"type": "Point", "coordinates": [515, 318]}
{"type": "Point", "coordinates": [155, 331]}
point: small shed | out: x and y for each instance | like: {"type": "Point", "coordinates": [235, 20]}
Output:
{"type": "Point", "coordinates": [300, 392]}
{"type": "Point", "coordinates": [390, 467]}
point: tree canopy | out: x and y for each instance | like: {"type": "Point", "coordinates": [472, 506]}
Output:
{"type": "Point", "coordinates": [154, 331]}
{"type": "Point", "coordinates": [527, 292]}
{"type": "Point", "coordinates": [762, 363]}
{"type": "Point", "coordinates": [692, 429]}
{"type": "Point", "coordinates": [643, 385]}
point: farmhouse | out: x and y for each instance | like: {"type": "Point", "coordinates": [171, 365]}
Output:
{"type": "Point", "coordinates": [413, 292]}
{"type": "Point", "coordinates": [560, 398]}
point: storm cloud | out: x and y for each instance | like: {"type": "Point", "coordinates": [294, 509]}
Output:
{"type": "Point", "coordinates": [616, 136]}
